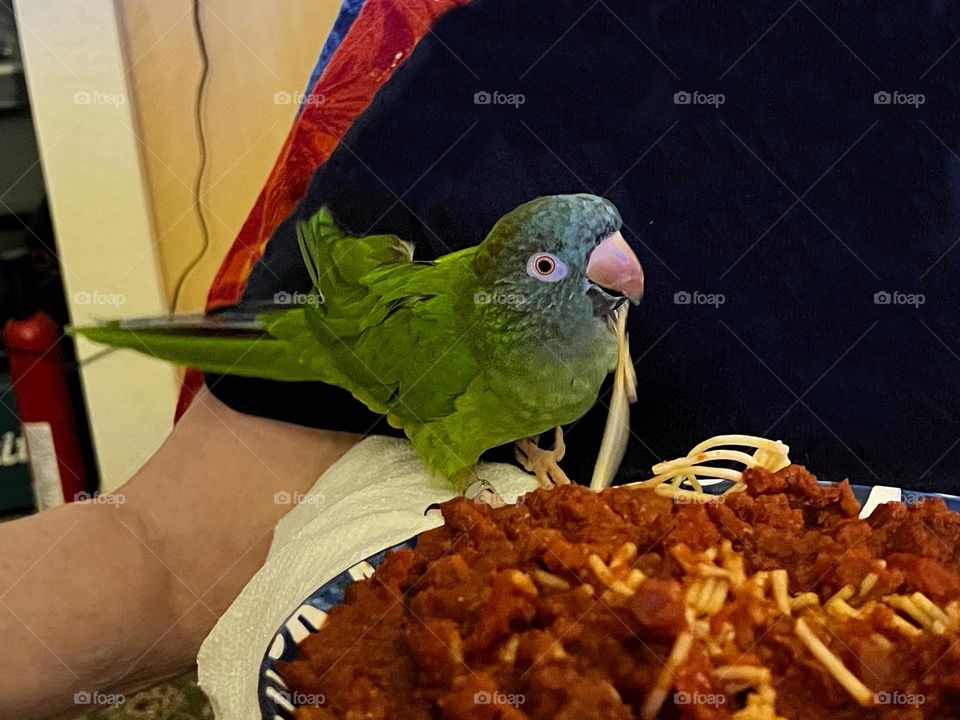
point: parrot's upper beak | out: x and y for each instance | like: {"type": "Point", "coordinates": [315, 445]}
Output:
{"type": "Point", "coordinates": [614, 266]}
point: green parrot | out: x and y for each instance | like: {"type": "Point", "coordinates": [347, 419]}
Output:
{"type": "Point", "coordinates": [485, 346]}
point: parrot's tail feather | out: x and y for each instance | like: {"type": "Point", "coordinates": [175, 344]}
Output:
{"type": "Point", "coordinates": [244, 317]}
{"type": "Point", "coordinates": [234, 347]}
{"type": "Point", "coordinates": [195, 322]}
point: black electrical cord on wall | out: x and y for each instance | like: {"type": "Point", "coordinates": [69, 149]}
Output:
{"type": "Point", "coordinates": [198, 179]}
{"type": "Point", "coordinates": [202, 167]}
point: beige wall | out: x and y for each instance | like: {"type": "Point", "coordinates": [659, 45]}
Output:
{"type": "Point", "coordinates": [112, 87]}
{"type": "Point", "coordinates": [257, 49]}
{"type": "Point", "coordinates": [101, 216]}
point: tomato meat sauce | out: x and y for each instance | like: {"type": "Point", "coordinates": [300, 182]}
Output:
{"type": "Point", "coordinates": [776, 603]}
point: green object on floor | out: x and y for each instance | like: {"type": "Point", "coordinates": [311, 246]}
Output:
{"type": "Point", "coordinates": [179, 699]}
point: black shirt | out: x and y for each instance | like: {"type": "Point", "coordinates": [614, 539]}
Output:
{"type": "Point", "coordinates": [788, 174]}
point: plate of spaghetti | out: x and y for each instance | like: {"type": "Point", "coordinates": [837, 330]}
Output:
{"type": "Point", "coordinates": [731, 585]}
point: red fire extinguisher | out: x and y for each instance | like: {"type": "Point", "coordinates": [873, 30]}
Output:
{"type": "Point", "coordinates": [39, 377]}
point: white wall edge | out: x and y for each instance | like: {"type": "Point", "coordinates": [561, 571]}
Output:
{"type": "Point", "coordinates": [90, 155]}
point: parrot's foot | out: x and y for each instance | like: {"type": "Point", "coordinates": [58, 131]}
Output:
{"type": "Point", "coordinates": [544, 464]}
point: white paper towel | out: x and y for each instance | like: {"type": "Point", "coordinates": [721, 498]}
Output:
{"type": "Point", "coordinates": [372, 498]}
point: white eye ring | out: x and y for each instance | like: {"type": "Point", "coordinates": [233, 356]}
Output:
{"type": "Point", "coordinates": [546, 267]}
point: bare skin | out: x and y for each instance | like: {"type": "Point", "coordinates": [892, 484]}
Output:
{"type": "Point", "coordinates": [114, 596]}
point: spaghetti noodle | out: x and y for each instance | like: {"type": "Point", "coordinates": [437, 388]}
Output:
{"type": "Point", "coordinates": [685, 477]}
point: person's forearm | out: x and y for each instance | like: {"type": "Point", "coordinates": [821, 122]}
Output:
{"type": "Point", "coordinates": [109, 597]}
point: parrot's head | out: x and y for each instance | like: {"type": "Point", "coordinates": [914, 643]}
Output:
{"type": "Point", "coordinates": [563, 253]}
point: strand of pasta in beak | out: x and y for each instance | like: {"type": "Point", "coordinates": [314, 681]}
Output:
{"type": "Point", "coordinates": [616, 432]}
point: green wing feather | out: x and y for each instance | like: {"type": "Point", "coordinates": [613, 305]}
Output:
{"type": "Point", "coordinates": [389, 330]}
{"type": "Point", "coordinates": [394, 327]}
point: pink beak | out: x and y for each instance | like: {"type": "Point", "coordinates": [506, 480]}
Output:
{"type": "Point", "coordinates": [614, 266]}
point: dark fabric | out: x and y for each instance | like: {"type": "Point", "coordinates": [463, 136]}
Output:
{"type": "Point", "coordinates": [798, 199]}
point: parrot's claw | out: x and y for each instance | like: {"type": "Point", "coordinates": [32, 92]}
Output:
{"type": "Point", "coordinates": [484, 493]}
{"type": "Point", "coordinates": [489, 496]}
{"type": "Point", "coordinates": [544, 464]}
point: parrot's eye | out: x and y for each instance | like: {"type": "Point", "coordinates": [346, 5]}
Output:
{"type": "Point", "coordinates": [546, 267]}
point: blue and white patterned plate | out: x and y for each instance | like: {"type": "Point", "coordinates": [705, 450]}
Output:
{"type": "Point", "coordinates": [274, 696]}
